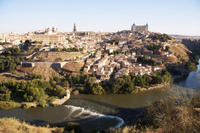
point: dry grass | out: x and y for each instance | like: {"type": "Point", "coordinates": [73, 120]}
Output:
{"type": "Point", "coordinates": [44, 70]}
{"type": "Point", "coordinates": [52, 56]}
{"type": "Point", "coordinates": [74, 66]}
{"type": "Point", "coordinates": [9, 105]}
{"type": "Point", "coordinates": [181, 50]}
{"type": "Point", "coordinates": [10, 125]}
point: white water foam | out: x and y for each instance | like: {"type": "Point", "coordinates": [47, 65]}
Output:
{"type": "Point", "coordinates": [94, 115]}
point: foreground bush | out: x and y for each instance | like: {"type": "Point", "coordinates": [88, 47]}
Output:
{"type": "Point", "coordinates": [170, 115]}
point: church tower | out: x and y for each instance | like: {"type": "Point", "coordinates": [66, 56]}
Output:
{"type": "Point", "coordinates": [133, 27]}
{"type": "Point", "coordinates": [74, 30]}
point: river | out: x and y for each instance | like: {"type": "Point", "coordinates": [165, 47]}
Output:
{"type": "Point", "coordinates": [90, 110]}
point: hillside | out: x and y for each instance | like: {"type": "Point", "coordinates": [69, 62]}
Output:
{"type": "Point", "coordinates": [181, 50]}
{"type": "Point", "coordinates": [44, 70]}
{"type": "Point", "coordinates": [56, 56]}
{"type": "Point", "coordinates": [74, 66]}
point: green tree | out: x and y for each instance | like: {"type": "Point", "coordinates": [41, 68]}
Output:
{"type": "Point", "coordinates": [60, 91]}
{"type": "Point", "coordinates": [33, 94]}
{"type": "Point", "coordinates": [5, 93]}
{"type": "Point", "coordinates": [98, 90]}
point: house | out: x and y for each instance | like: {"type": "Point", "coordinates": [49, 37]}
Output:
{"type": "Point", "coordinates": [102, 62]}
{"type": "Point", "coordinates": [121, 73]}
{"type": "Point", "coordinates": [1, 49]}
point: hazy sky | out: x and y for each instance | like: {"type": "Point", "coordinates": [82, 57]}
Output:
{"type": "Point", "coordinates": [166, 16]}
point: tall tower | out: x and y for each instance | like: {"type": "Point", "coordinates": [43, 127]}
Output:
{"type": "Point", "coordinates": [147, 27]}
{"type": "Point", "coordinates": [133, 27]}
{"type": "Point", "coordinates": [74, 30]}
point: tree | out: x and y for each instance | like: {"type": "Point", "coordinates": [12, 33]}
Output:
{"type": "Point", "coordinates": [123, 85]}
{"type": "Point", "coordinates": [33, 94]}
{"type": "Point", "coordinates": [5, 93]}
{"type": "Point", "coordinates": [98, 90]}
{"type": "Point", "coordinates": [60, 91]}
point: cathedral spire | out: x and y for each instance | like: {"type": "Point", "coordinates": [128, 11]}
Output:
{"type": "Point", "coordinates": [74, 30]}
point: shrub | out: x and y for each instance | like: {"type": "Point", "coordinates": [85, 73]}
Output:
{"type": "Point", "coordinates": [34, 76]}
{"type": "Point", "coordinates": [60, 91]}
{"type": "Point", "coordinates": [98, 90]}
{"type": "Point", "coordinates": [5, 93]}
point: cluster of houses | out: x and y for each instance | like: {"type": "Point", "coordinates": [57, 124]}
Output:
{"type": "Point", "coordinates": [114, 66]}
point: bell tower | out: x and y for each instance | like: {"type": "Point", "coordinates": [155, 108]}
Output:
{"type": "Point", "coordinates": [133, 27]}
{"type": "Point", "coordinates": [74, 30]}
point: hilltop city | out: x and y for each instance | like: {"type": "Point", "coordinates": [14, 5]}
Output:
{"type": "Point", "coordinates": [107, 55]}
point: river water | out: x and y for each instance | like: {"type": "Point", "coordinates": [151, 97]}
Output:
{"type": "Point", "coordinates": [100, 112]}
{"type": "Point", "coordinates": [193, 79]}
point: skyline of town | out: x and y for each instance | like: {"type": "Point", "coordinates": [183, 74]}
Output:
{"type": "Point", "coordinates": [180, 17]}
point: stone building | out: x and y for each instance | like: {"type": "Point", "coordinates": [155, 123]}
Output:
{"type": "Point", "coordinates": [48, 39]}
{"type": "Point", "coordinates": [140, 28]}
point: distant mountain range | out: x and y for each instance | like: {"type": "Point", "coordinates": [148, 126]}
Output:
{"type": "Point", "coordinates": [180, 37]}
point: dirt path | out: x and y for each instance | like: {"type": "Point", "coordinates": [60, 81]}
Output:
{"type": "Point", "coordinates": [62, 100]}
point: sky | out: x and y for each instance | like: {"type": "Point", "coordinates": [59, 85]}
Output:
{"type": "Point", "coordinates": [164, 16]}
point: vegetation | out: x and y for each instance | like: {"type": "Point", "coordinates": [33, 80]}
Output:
{"type": "Point", "coordinates": [160, 37]}
{"type": "Point", "coordinates": [12, 51]}
{"type": "Point", "coordinates": [67, 49]}
{"type": "Point", "coordinates": [129, 84]}
{"type": "Point", "coordinates": [145, 60]}
{"type": "Point", "coordinates": [30, 91]}
{"type": "Point", "coordinates": [154, 47]}
{"type": "Point", "coordinates": [114, 41]}
{"type": "Point", "coordinates": [9, 63]}
{"type": "Point", "coordinates": [34, 76]}
{"type": "Point", "coordinates": [172, 114]}
{"type": "Point", "coordinates": [26, 45]}
{"type": "Point", "coordinates": [167, 48]}
{"type": "Point", "coordinates": [9, 105]}
{"type": "Point", "coordinates": [85, 84]}
{"type": "Point", "coordinates": [125, 85]}
{"type": "Point", "coordinates": [193, 45]}
{"type": "Point", "coordinates": [191, 42]}
{"type": "Point", "coordinates": [190, 66]}
{"type": "Point", "coordinates": [37, 42]}
{"type": "Point", "coordinates": [11, 125]}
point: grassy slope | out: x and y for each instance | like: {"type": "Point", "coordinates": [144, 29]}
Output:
{"type": "Point", "coordinates": [181, 50]}
{"type": "Point", "coordinates": [74, 66]}
{"type": "Point", "coordinates": [10, 125]}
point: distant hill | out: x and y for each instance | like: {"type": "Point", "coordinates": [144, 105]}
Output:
{"type": "Point", "coordinates": [180, 37]}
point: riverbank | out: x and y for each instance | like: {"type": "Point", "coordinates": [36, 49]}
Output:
{"type": "Point", "coordinates": [7, 105]}
{"type": "Point", "coordinates": [157, 86]}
